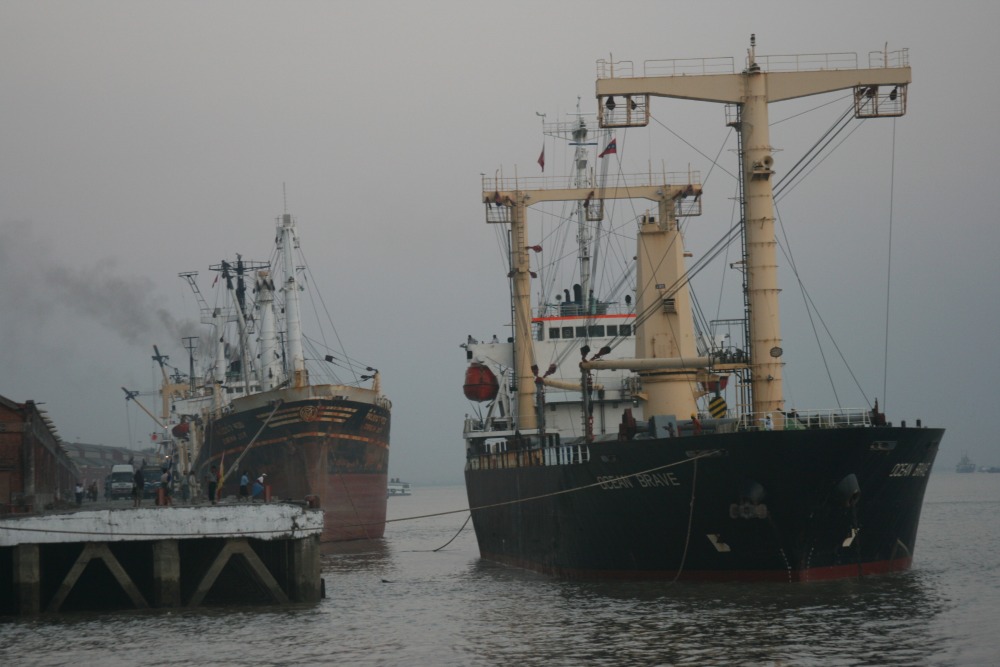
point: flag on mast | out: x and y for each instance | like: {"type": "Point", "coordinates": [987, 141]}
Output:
{"type": "Point", "coordinates": [612, 147]}
{"type": "Point", "coordinates": [541, 159]}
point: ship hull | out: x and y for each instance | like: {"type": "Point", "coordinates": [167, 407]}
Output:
{"type": "Point", "coordinates": [329, 452]}
{"type": "Point", "coordinates": [793, 505]}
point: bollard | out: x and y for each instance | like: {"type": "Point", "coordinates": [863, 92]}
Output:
{"type": "Point", "coordinates": [160, 500]}
{"type": "Point", "coordinates": [267, 493]}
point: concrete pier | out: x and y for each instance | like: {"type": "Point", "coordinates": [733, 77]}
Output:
{"type": "Point", "coordinates": [160, 558]}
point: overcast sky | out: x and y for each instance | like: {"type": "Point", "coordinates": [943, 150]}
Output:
{"type": "Point", "coordinates": [142, 139]}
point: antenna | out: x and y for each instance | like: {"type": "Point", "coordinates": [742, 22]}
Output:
{"type": "Point", "coordinates": [284, 197]}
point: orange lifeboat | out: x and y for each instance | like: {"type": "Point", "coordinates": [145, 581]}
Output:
{"type": "Point", "coordinates": [480, 383]}
{"type": "Point", "coordinates": [181, 430]}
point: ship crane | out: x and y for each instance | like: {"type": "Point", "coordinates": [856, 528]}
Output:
{"type": "Point", "coordinates": [131, 396]}
{"type": "Point", "coordinates": [659, 234]}
{"type": "Point", "coordinates": [879, 91]}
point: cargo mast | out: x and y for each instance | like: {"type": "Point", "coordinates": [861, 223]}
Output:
{"type": "Point", "coordinates": [879, 91]}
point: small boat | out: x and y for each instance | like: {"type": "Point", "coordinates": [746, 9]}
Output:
{"type": "Point", "coordinates": [965, 464]}
{"type": "Point", "coordinates": [601, 443]}
{"type": "Point", "coordinates": [397, 487]}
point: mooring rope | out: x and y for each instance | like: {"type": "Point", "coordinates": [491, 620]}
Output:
{"type": "Point", "coordinates": [456, 534]}
{"type": "Point", "coordinates": [277, 404]}
{"type": "Point", "coordinates": [687, 538]}
{"type": "Point", "coordinates": [556, 493]}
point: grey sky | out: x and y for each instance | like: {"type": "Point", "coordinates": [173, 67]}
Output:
{"type": "Point", "coordinates": [142, 139]}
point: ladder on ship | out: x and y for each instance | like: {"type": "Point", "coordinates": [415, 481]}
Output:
{"type": "Point", "coordinates": [744, 386]}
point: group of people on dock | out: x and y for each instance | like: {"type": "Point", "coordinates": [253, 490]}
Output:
{"type": "Point", "coordinates": [249, 491]}
{"type": "Point", "coordinates": [82, 490]}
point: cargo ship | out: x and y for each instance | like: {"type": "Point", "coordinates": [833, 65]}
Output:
{"type": "Point", "coordinates": [965, 464]}
{"type": "Point", "coordinates": [251, 402]}
{"type": "Point", "coordinates": [601, 441]}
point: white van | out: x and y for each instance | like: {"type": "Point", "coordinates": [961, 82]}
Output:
{"type": "Point", "coordinates": [121, 481]}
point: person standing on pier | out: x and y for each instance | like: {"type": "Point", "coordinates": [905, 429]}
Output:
{"type": "Point", "coordinates": [138, 482]}
{"type": "Point", "coordinates": [212, 482]}
{"type": "Point", "coordinates": [79, 494]}
{"type": "Point", "coordinates": [166, 480]}
{"type": "Point", "coordinates": [258, 489]}
{"type": "Point", "coordinates": [192, 484]}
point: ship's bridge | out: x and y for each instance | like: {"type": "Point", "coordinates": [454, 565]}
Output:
{"type": "Point", "coordinates": [582, 327]}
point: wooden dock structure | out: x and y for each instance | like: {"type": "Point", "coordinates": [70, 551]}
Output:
{"type": "Point", "coordinates": [160, 557]}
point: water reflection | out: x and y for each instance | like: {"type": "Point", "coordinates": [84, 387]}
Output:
{"type": "Point", "coordinates": [358, 555]}
{"type": "Point", "coordinates": [884, 620]}
{"type": "Point", "coordinates": [403, 600]}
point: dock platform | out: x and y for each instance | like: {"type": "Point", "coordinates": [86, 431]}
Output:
{"type": "Point", "coordinates": [139, 558]}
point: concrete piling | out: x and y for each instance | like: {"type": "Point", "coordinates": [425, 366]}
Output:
{"type": "Point", "coordinates": [162, 558]}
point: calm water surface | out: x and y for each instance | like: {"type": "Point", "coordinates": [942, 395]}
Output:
{"type": "Point", "coordinates": [397, 601]}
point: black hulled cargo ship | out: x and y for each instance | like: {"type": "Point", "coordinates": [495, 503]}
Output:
{"type": "Point", "coordinates": [602, 443]}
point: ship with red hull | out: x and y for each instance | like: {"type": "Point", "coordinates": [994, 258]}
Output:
{"type": "Point", "coordinates": [601, 442]}
{"type": "Point", "coordinates": [330, 451]}
{"type": "Point", "coordinates": [252, 404]}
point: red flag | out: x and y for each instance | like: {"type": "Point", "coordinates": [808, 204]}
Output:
{"type": "Point", "coordinates": [610, 148]}
{"type": "Point", "coordinates": [541, 159]}
{"type": "Point", "coordinates": [216, 280]}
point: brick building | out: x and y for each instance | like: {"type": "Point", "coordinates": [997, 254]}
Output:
{"type": "Point", "coordinates": [35, 470]}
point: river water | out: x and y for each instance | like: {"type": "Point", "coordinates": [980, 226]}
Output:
{"type": "Point", "coordinates": [398, 601]}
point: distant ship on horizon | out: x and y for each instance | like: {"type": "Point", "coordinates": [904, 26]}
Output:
{"type": "Point", "coordinates": [965, 464]}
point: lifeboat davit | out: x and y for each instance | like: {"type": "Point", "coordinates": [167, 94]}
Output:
{"type": "Point", "coordinates": [480, 383]}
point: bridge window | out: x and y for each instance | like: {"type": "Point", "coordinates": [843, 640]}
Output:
{"type": "Point", "coordinates": [625, 330]}
{"type": "Point", "coordinates": [581, 332]}
{"type": "Point", "coordinates": [612, 330]}
{"type": "Point", "coordinates": [567, 332]}
{"type": "Point", "coordinates": [596, 331]}
{"type": "Point", "coordinates": [554, 332]}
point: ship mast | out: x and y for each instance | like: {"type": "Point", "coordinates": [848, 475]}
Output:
{"type": "Point", "coordinates": [270, 359]}
{"type": "Point", "coordinates": [667, 379]}
{"type": "Point", "coordinates": [288, 241]}
{"type": "Point", "coordinates": [752, 90]}
{"type": "Point", "coordinates": [589, 209]}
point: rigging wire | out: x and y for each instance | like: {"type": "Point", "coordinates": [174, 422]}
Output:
{"type": "Point", "coordinates": [810, 307]}
{"type": "Point", "coordinates": [815, 108]}
{"type": "Point", "coordinates": [714, 163]}
{"type": "Point", "coordinates": [856, 128]}
{"type": "Point", "coordinates": [796, 170]}
{"type": "Point", "coordinates": [326, 311]}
